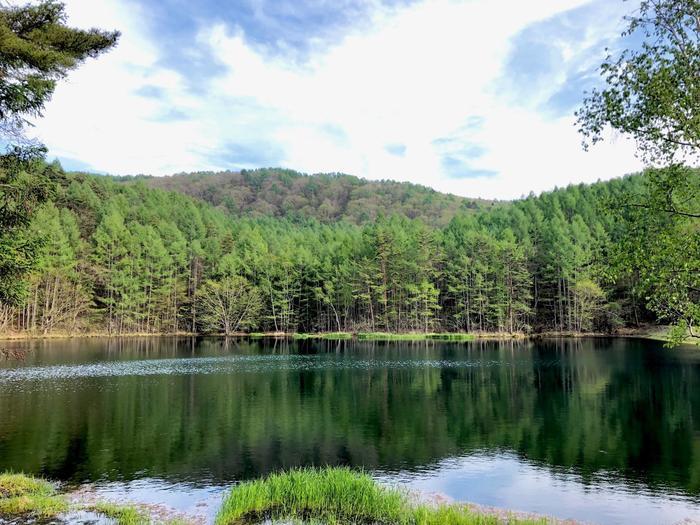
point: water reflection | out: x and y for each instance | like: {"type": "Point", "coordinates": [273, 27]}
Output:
{"type": "Point", "coordinates": [505, 481]}
{"type": "Point", "coordinates": [607, 415]}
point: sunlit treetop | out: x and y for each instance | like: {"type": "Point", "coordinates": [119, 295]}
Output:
{"type": "Point", "coordinates": [37, 49]}
{"type": "Point", "coordinates": [652, 92]}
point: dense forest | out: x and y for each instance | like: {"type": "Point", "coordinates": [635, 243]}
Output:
{"type": "Point", "coordinates": [326, 197]}
{"type": "Point", "coordinates": [122, 257]}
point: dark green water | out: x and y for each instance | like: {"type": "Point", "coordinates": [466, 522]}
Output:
{"type": "Point", "coordinates": [599, 430]}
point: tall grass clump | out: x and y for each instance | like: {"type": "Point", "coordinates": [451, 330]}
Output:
{"type": "Point", "coordinates": [341, 496]}
{"type": "Point", "coordinates": [330, 495]}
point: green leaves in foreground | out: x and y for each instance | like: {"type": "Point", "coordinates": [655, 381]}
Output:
{"type": "Point", "coordinates": [336, 496]}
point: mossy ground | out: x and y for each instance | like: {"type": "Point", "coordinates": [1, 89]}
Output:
{"type": "Point", "coordinates": [341, 496]}
{"type": "Point", "coordinates": [22, 495]}
{"type": "Point", "coordinates": [122, 514]}
{"type": "Point", "coordinates": [26, 497]}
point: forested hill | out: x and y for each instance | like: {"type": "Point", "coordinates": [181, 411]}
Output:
{"type": "Point", "coordinates": [122, 257]}
{"type": "Point", "coordinates": [326, 197]}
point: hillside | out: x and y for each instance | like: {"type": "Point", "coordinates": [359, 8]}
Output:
{"type": "Point", "coordinates": [326, 197]}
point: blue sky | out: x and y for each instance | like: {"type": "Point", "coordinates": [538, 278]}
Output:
{"type": "Point", "coordinates": [472, 97]}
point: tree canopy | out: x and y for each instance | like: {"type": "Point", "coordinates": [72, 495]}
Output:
{"type": "Point", "coordinates": [37, 49]}
{"type": "Point", "coordinates": [123, 257]}
{"type": "Point", "coordinates": [652, 92]}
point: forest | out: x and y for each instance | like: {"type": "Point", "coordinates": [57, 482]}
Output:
{"type": "Point", "coordinates": [327, 197]}
{"type": "Point", "coordinates": [121, 257]}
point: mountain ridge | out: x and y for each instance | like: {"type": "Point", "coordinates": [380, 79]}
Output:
{"type": "Point", "coordinates": [327, 197]}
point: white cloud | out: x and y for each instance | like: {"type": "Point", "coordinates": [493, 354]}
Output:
{"type": "Point", "coordinates": [418, 75]}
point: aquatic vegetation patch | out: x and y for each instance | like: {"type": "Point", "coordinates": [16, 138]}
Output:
{"type": "Point", "coordinates": [122, 514]}
{"type": "Point", "coordinates": [335, 495]}
{"type": "Point", "coordinates": [27, 498]}
{"type": "Point", "coordinates": [22, 495]}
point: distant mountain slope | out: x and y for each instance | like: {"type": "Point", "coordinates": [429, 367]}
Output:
{"type": "Point", "coordinates": [326, 197]}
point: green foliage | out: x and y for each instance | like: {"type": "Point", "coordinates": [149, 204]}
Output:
{"type": "Point", "coordinates": [653, 93]}
{"type": "Point", "coordinates": [662, 248]}
{"type": "Point", "coordinates": [37, 50]}
{"type": "Point", "coordinates": [331, 495]}
{"type": "Point", "coordinates": [25, 182]}
{"type": "Point", "coordinates": [123, 258]}
{"type": "Point", "coordinates": [339, 495]}
{"type": "Point", "coordinates": [325, 197]}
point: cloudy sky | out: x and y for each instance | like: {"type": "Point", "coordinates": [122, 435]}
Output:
{"type": "Point", "coordinates": [471, 97]}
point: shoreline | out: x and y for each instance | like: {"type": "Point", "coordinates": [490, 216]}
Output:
{"type": "Point", "coordinates": [653, 333]}
{"type": "Point", "coordinates": [25, 497]}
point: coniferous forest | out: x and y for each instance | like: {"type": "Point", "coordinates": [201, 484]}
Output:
{"type": "Point", "coordinates": [121, 257]}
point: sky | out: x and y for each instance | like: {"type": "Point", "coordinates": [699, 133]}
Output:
{"type": "Point", "coordinates": [472, 97]}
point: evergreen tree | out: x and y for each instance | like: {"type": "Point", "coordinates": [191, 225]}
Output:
{"type": "Point", "coordinates": [36, 50]}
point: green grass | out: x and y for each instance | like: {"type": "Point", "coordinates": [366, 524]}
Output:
{"type": "Point", "coordinates": [323, 335]}
{"type": "Point", "coordinates": [22, 495]}
{"type": "Point", "coordinates": [377, 336]}
{"type": "Point", "coordinates": [340, 496]}
{"type": "Point", "coordinates": [336, 335]}
{"type": "Point", "coordinates": [387, 336]}
{"type": "Point", "coordinates": [122, 514]}
{"type": "Point", "coordinates": [451, 337]}
{"type": "Point", "coordinates": [304, 336]}
{"type": "Point", "coordinates": [27, 498]}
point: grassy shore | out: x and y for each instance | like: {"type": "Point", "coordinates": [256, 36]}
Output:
{"type": "Point", "coordinates": [330, 495]}
{"type": "Point", "coordinates": [23, 336]}
{"type": "Point", "coordinates": [388, 336]}
{"type": "Point", "coordinates": [340, 495]}
{"type": "Point", "coordinates": [655, 333]}
{"type": "Point", "coordinates": [331, 336]}
{"type": "Point", "coordinates": [27, 498]}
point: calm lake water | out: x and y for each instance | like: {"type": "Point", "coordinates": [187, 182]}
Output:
{"type": "Point", "coordinates": [600, 430]}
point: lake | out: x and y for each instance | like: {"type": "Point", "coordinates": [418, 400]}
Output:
{"type": "Point", "coordinates": [599, 430]}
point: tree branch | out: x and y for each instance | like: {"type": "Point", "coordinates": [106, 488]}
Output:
{"type": "Point", "coordinates": [665, 210]}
